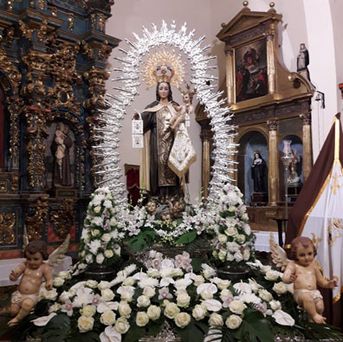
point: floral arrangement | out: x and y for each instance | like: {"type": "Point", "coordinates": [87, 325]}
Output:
{"type": "Point", "coordinates": [234, 241]}
{"type": "Point", "coordinates": [139, 302]}
{"type": "Point", "coordinates": [101, 235]}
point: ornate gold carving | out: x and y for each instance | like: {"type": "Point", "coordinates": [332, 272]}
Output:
{"type": "Point", "coordinates": [53, 11]}
{"type": "Point", "coordinates": [97, 79]}
{"type": "Point", "coordinates": [14, 108]}
{"type": "Point", "coordinates": [98, 22]}
{"type": "Point", "coordinates": [272, 125]}
{"type": "Point", "coordinates": [63, 218]}
{"type": "Point", "coordinates": [41, 4]}
{"type": "Point", "coordinates": [25, 30]}
{"type": "Point", "coordinates": [7, 228]}
{"type": "Point", "coordinates": [86, 49]}
{"type": "Point", "coordinates": [306, 118]}
{"type": "Point", "coordinates": [105, 50]}
{"type": "Point", "coordinates": [35, 220]}
{"type": "Point", "coordinates": [71, 21]}
{"type": "Point", "coordinates": [10, 4]}
{"type": "Point", "coordinates": [43, 31]}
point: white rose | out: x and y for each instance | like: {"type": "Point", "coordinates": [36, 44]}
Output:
{"type": "Point", "coordinates": [222, 255]}
{"type": "Point", "coordinates": [107, 295]}
{"type": "Point", "coordinates": [95, 232]}
{"type": "Point", "coordinates": [199, 312]}
{"type": "Point", "coordinates": [129, 281]}
{"type": "Point", "coordinates": [64, 275]}
{"type": "Point", "coordinates": [113, 221]}
{"type": "Point", "coordinates": [85, 323]}
{"type": "Point", "coordinates": [182, 319]}
{"type": "Point", "coordinates": [265, 295]}
{"type": "Point", "coordinates": [122, 325]}
{"type": "Point", "coordinates": [171, 310]}
{"type": "Point", "coordinates": [238, 256]}
{"type": "Point", "coordinates": [280, 288]}
{"type": "Point", "coordinates": [107, 204]}
{"type": "Point", "coordinates": [48, 294]}
{"type": "Point", "coordinates": [92, 284]}
{"type": "Point", "coordinates": [246, 254]}
{"type": "Point", "coordinates": [216, 320]}
{"type": "Point", "coordinates": [275, 305]}
{"type": "Point", "coordinates": [54, 307]}
{"type": "Point", "coordinates": [237, 307]}
{"type": "Point", "coordinates": [221, 283]}
{"type": "Point", "coordinates": [154, 312]}
{"type": "Point", "coordinates": [233, 322]}
{"type": "Point", "coordinates": [88, 310]}
{"type": "Point", "coordinates": [232, 247]}
{"type": "Point", "coordinates": [149, 291]}
{"type": "Point", "coordinates": [231, 231]}
{"type": "Point", "coordinates": [198, 280]}
{"type": "Point", "coordinates": [89, 258]}
{"type": "Point", "coordinates": [153, 273]}
{"type": "Point", "coordinates": [240, 238]}
{"type": "Point", "coordinates": [143, 301]}
{"type": "Point", "coordinates": [222, 238]}
{"type": "Point", "coordinates": [124, 309]}
{"type": "Point", "coordinates": [230, 257]}
{"type": "Point", "coordinates": [97, 209]}
{"type": "Point", "coordinates": [108, 253]}
{"type": "Point", "coordinates": [106, 237]}
{"type": "Point", "coordinates": [58, 282]}
{"type": "Point", "coordinates": [247, 229]}
{"type": "Point", "coordinates": [104, 285]}
{"type": "Point", "coordinates": [183, 299]}
{"type": "Point", "coordinates": [108, 317]}
{"type": "Point", "coordinates": [100, 258]}
{"type": "Point", "coordinates": [272, 275]}
{"type": "Point", "coordinates": [142, 319]}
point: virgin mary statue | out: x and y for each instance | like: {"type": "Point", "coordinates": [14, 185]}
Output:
{"type": "Point", "coordinates": [162, 173]}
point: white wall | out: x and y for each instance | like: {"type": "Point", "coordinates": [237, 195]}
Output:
{"type": "Point", "coordinates": [317, 23]}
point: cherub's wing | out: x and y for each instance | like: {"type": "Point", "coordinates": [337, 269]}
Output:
{"type": "Point", "coordinates": [279, 255]}
{"type": "Point", "coordinates": [58, 254]}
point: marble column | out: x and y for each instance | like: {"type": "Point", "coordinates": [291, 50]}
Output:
{"type": "Point", "coordinates": [273, 164]}
{"type": "Point", "coordinates": [307, 144]}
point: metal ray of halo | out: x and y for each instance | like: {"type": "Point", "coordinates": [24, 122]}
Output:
{"type": "Point", "coordinates": [182, 39]}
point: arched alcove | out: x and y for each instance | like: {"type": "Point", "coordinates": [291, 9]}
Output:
{"type": "Point", "coordinates": [250, 142]}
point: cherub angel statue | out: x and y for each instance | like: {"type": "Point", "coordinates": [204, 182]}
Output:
{"type": "Point", "coordinates": [305, 273]}
{"type": "Point", "coordinates": [34, 273]}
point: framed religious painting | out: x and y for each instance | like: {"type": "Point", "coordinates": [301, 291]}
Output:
{"type": "Point", "coordinates": [250, 69]}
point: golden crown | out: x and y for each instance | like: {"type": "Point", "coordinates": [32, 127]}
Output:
{"type": "Point", "coordinates": [163, 66]}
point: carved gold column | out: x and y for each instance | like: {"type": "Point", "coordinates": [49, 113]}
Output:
{"type": "Point", "coordinates": [229, 77]}
{"type": "Point", "coordinates": [307, 144]}
{"type": "Point", "coordinates": [206, 136]}
{"type": "Point", "coordinates": [273, 165]}
{"type": "Point", "coordinates": [271, 61]}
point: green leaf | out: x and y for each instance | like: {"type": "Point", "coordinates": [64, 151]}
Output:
{"type": "Point", "coordinates": [196, 265]}
{"type": "Point", "coordinates": [143, 240]}
{"type": "Point", "coordinates": [193, 332]}
{"type": "Point", "coordinates": [255, 328]}
{"type": "Point", "coordinates": [186, 238]}
{"type": "Point", "coordinates": [134, 334]}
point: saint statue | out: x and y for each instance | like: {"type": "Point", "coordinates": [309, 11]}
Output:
{"type": "Point", "coordinates": [259, 173]}
{"type": "Point", "coordinates": [60, 149]}
{"type": "Point", "coordinates": [168, 151]}
{"type": "Point", "coordinates": [303, 61]}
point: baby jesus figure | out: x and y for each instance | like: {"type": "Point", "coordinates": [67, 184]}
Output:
{"type": "Point", "coordinates": [306, 275]}
{"type": "Point", "coordinates": [33, 272]}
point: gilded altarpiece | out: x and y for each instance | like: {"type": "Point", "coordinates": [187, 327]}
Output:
{"type": "Point", "coordinates": [53, 57]}
{"type": "Point", "coordinates": [271, 106]}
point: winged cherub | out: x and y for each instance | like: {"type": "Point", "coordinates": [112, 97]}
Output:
{"type": "Point", "coordinates": [33, 272]}
{"type": "Point", "coordinates": [305, 273]}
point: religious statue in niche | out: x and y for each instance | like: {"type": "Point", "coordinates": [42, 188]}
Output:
{"type": "Point", "coordinates": [61, 146]}
{"type": "Point", "coordinates": [251, 71]}
{"type": "Point", "coordinates": [168, 151]}
{"type": "Point", "coordinates": [259, 173]}
{"type": "Point", "coordinates": [293, 179]}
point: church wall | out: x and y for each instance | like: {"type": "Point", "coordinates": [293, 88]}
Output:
{"type": "Point", "coordinates": [299, 18]}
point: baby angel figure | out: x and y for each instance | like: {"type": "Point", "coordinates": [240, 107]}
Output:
{"type": "Point", "coordinates": [305, 273]}
{"type": "Point", "coordinates": [33, 272]}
